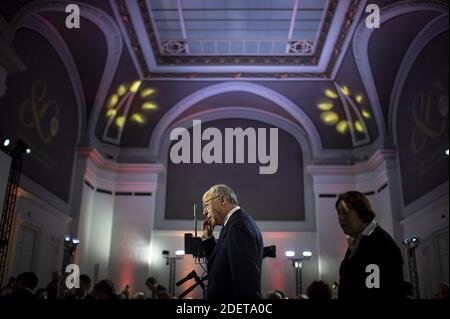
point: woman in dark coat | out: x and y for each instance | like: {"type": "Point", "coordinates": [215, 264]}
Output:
{"type": "Point", "coordinates": [373, 264]}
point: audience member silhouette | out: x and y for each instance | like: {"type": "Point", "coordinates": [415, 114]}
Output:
{"type": "Point", "coordinates": [25, 285]}
{"type": "Point", "coordinates": [83, 291]}
{"type": "Point", "coordinates": [53, 287]}
{"type": "Point", "coordinates": [273, 295]}
{"type": "Point", "coordinates": [442, 292]}
{"type": "Point", "coordinates": [9, 287]}
{"type": "Point", "coordinates": [41, 293]}
{"type": "Point", "coordinates": [104, 289]}
{"type": "Point", "coordinates": [319, 290]}
{"type": "Point", "coordinates": [154, 286]}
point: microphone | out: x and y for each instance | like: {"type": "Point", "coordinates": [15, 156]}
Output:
{"type": "Point", "coordinates": [199, 282]}
{"type": "Point", "coordinates": [189, 276]}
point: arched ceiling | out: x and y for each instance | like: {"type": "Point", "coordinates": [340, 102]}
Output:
{"type": "Point", "coordinates": [323, 82]}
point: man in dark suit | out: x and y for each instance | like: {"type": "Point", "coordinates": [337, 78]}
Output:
{"type": "Point", "coordinates": [373, 266]}
{"type": "Point", "coordinates": [235, 260]}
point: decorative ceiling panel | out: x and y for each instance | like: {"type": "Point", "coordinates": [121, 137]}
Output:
{"type": "Point", "coordinates": [232, 27]}
{"type": "Point", "coordinates": [231, 38]}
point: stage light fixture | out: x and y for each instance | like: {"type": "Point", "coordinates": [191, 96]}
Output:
{"type": "Point", "coordinates": [20, 148]}
{"type": "Point", "coordinates": [297, 264]}
{"type": "Point", "coordinates": [411, 242]}
{"type": "Point", "coordinates": [70, 241]}
{"type": "Point", "coordinates": [179, 252]}
{"type": "Point", "coordinates": [289, 253]}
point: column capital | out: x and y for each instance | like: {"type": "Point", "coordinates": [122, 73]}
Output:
{"type": "Point", "coordinates": [118, 177]}
{"type": "Point", "coordinates": [378, 158]}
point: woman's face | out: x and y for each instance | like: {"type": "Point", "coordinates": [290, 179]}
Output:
{"type": "Point", "coordinates": [348, 220]}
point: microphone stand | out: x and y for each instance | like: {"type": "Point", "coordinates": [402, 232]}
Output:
{"type": "Point", "coordinates": [198, 282]}
{"type": "Point", "coordinates": [193, 274]}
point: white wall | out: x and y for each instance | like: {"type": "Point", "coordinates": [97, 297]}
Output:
{"type": "Point", "coordinates": [100, 233]}
{"type": "Point", "coordinates": [41, 220]}
{"type": "Point", "coordinates": [115, 220]}
{"type": "Point", "coordinates": [46, 250]}
{"type": "Point", "coordinates": [430, 224]}
{"type": "Point", "coordinates": [331, 242]}
{"type": "Point", "coordinates": [84, 230]}
{"type": "Point", "coordinates": [132, 224]}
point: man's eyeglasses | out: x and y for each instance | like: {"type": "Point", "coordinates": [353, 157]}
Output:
{"type": "Point", "coordinates": [208, 202]}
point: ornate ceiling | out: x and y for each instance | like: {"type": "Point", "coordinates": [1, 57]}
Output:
{"type": "Point", "coordinates": [230, 38]}
{"type": "Point", "coordinates": [135, 64]}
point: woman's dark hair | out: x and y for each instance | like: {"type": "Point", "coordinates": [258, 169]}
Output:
{"type": "Point", "coordinates": [360, 203]}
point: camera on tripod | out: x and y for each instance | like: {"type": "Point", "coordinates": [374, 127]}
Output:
{"type": "Point", "coordinates": [193, 246]}
{"type": "Point", "coordinates": [270, 251]}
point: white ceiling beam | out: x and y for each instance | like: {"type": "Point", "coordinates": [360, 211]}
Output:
{"type": "Point", "coordinates": [183, 26]}
{"type": "Point", "coordinates": [292, 25]}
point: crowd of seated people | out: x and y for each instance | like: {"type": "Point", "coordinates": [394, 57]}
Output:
{"type": "Point", "coordinates": [24, 287]}
{"type": "Point", "coordinates": [320, 290]}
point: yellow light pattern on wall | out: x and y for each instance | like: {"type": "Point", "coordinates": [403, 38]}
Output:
{"type": "Point", "coordinates": [148, 106]}
{"type": "Point", "coordinates": [331, 94]}
{"type": "Point", "coordinates": [135, 86]}
{"type": "Point", "coordinates": [365, 114]}
{"type": "Point", "coordinates": [359, 98]}
{"type": "Point", "coordinates": [113, 101]}
{"type": "Point", "coordinates": [147, 92]}
{"type": "Point", "coordinates": [111, 112]}
{"type": "Point", "coordinates": [120, 121]}
{"type": "Point", "coordinates": [329, 118]}
{"type": "Point", "coordinates": [122, 90]}
{"type": "Point", "coordinates": [358, 126]}
{"type": "Point", "coordinates": [325, 105]}
{"type": "Point", "coordinates": [120, 103]}
{"type": "Point", "coordinates": [138, 118]}
{"type": "Point", "coordinates": [345, 90]}
{"type": "Point", "coordinates": [342, 127]}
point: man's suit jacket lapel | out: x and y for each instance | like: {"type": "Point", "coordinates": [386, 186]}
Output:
{"type": "Point", "coordinates": [222, 232]}
{"type": "Point", "coordinates": [218, 244]}
{"type": "Point", "coordinates": [222, 236]}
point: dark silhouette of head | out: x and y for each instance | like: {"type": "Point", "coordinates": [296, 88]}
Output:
{"type": "Point", "coordinates": [27, 280]}
{"type": "Point", "coordinates": [104, 289]}
{"type": "Point", "coordinates": [319, 290]}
